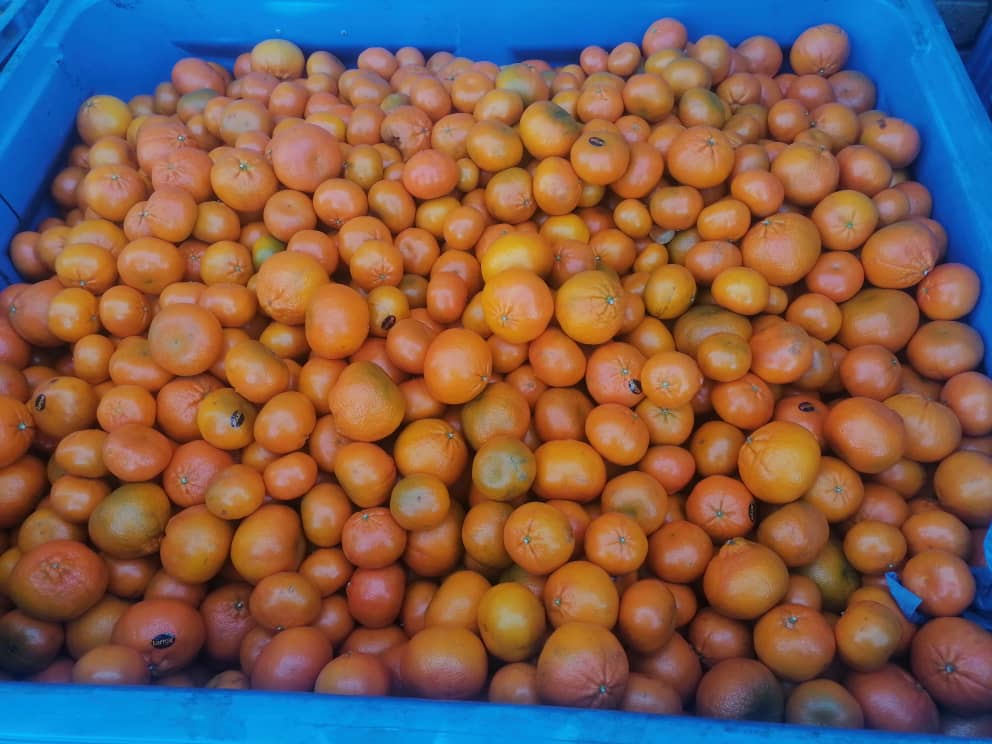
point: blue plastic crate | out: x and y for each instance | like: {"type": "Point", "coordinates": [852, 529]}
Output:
{"type": "Point", "coordinates": [980, 65]}
{"type": "Point", "coordinates": [124, 47]}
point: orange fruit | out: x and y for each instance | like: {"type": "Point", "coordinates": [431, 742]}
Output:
{"type": "Point", "coordinates": [111, 664]}
{"type": "Point", "coordinates": [166, 632]}
{"type": "Point", "coordinates": [445, 663]}
{"type": "Point", "coordinates": [740, 689]}
{"type": "Point", "coordinates": [647, 616]}
{"type": "Point", "coordinates": [354, 674]}
{"type": "Point", "coordinates": [795, 642]}
{"type": "Point", "coordinates": [58, 580]}
{"type": "Point", "coordinates": [868, 633]}
{"type": "Point", "coordinates": [366, 404]}
{"type": "Point", "coordinates": [745, 579]}
{"type": "Point", "coordinates": [538, 538]}
{"type": "Point", "coordinates": [581, 591]}
{"type": "Point", "coordinates": [582, 665]}
{"type": "Point", "coordinates": [511, 622]}
{"type": "Point", "coordinates": [458, 366]}
{"type": "Point", "coordinates": [588, 307]}
{"type": "Point", "coordinates": [779, 462]}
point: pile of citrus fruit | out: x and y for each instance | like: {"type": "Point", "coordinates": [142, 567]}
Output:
{"type": "Point", "coordinates": [621, 384]}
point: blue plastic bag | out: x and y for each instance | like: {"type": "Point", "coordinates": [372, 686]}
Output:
{"type": "Point", "coordinates": [980, 611]}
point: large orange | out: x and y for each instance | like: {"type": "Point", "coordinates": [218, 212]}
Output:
{"type": "Point", "coordinates": [949, 657]}
{"type": "Point", "coordinates": [700, 156]}
{"type": "Point", "coordinates": [286, 284]}
{"type": "Point", "coordinates": [795, 642]}
{"type": "Point", "coordinates": [588, 307]}
{"type": "Point", "coordinates": [582, 665]}
{"type": "Point", "coordinates": [745, 579]}
{"type": "Point", "coordinates": [266, 542]}
{"type": "Point", "coordinates": [567, 469]}
{"type": "Point", "coordinates": [131, 521]}
{"type": "Point", "coordinates": [336, 321]}
{"type": "Point", "coordinates": [195, 545]}
{"type": "Point", "coordinates": [517, 305]}
{"type": "Point", "coordinates": [431, 446]}
{"type": "Point", "coordinates": [740, 689]}
{"type": "Point", "coordinates": [779, 462]}
{"type": "Point", "coordinates": [58, 580]}
{"type": "Point", "coordinates": [458, 366]}
{"type": "Point", "coordinates": [581, 591]}
{"type": "Point", "coordinates": [867, 435]}
{"type": "Point", "coordinates": [783, 247]}
{"type": "Point", "coordinates": [445, 663]}
{"type": "Point", "coordinates": [166, 632]}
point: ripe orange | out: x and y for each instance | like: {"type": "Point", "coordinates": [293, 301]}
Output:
{"type": "Point", "coordinates": [582, 665]}
{"type": "Point", "coordinates": [511, 622]}
{"type": "Point", "coordinates": [745, 579]}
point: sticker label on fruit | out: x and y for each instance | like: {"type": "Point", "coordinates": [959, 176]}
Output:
{"type": "Point", "coordinates": [163, 640]}
{"type": "Point", "coordinates": [980, 610]}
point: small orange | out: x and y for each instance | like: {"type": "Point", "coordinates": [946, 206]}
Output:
{"type": "Point", "coordinates": [616, 543]}
{"type": "Point", "coordinates": [647, 616]}
{"type": "Point", "coordinates": [419, 501]}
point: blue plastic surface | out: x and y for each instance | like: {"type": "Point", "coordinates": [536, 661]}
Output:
{"type": "Point", "coordinates": [980, 65]}
{"type": "Point", "coordinates": [74, 714]}
{"type": "Point", "coordinates": [125, 47]}
{"type": "Point", "coordinates": [16, 19]}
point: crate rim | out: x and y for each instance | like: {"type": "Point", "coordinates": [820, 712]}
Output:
{"type": "Point", "coordinates": [225, 716]}
{"type": "Point", "coordinates": [980, 65]}
{"type": "Point", "coordinates": [17, 19]}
